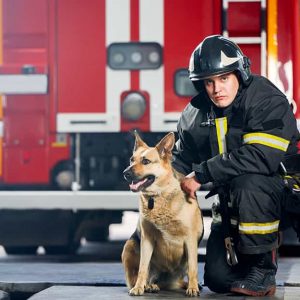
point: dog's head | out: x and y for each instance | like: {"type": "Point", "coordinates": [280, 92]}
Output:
{"type": "Point", "coordinates": [150, 167]}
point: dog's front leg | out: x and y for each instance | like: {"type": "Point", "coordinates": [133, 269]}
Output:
{"type": "Point", "coordinates": [146, 253]}
{"type": "Point", "coordinates": [192, 248]}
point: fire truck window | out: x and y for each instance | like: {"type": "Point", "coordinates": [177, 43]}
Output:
{"type": "Point", "coordinates": [134, 56]}
{"type": "Point", "coordinates": [183, 85]}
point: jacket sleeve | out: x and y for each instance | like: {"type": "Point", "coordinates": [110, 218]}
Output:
{"type": "Point", "coordinates": [269, 128]}
{"type": "Point", "coordinates": [184, 153]}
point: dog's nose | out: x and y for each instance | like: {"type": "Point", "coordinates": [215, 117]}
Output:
{"type": "Point", "coordinates": [127, 173]}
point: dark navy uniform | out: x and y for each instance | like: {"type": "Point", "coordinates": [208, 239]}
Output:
{"type": "Point", "coordinates": [240, 146]}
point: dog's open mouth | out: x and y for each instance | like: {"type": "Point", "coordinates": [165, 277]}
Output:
{"type": "Point", "coordinates": [139, 185]}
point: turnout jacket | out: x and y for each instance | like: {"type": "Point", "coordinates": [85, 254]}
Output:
{"type": "Point", "coordinates": [252, 135]}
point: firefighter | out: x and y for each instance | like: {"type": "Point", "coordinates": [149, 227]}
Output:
{"type": "Point", "coordinates": [235, 133]}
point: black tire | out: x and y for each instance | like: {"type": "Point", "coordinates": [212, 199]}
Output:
{"type": "Point", "coordinates": [21, 250]}
{"type": "Point", "coordinates": [67, 166]}
{"type": "Point", "coordinates": [99, 234]}
{"type": "Point", "coordinates": [60, 250]}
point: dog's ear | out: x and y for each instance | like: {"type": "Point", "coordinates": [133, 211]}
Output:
{"type": "Point", "coordinates": [165, 146]}
{"type": "Point", "coordinates": [138, 141]}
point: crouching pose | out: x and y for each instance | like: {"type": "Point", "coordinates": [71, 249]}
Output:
{"type": "Point", "coordinates": [235, 133]}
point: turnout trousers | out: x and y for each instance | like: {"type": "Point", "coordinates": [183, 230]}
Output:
{"type": "Point", "coordinates": [255, 211]}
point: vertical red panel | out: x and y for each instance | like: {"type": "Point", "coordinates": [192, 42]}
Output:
{"type": "Point", "coordinates": [244, 20]}
{"type": "Point", "coordinates": [25, 140]}
{"type": "Point", "coordinates": [284, 39]}
{"type": "Point", "coordinates": [25, 32]}
{"type": "Point", "coordinates": [134, 37]}
{"type": "Point", "coordinates": [288, 38]}
{"type": "Point", "coordinates": [56, 153]}
{"type": "Point", "coordinates": [134, 20]}
{"type": "Point", "coordinates": [186, 24]}
{"type": "Point", "coordinates": [81, 56]}
{"type": "Point", "coordinates": [27, 147]}
{"type": "Point", "coordinates": [52, 57]}
{"type": "Point", "coordinates": [25, 117]}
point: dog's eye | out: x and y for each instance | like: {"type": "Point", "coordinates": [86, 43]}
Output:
{"type": "Point", "coordinates": [145, 161]}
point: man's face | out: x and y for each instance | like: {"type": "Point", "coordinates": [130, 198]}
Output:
{"type": "Point", "coordinates": [222, 89]}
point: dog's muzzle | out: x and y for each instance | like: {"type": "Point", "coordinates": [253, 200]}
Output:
{"type": "Point", "coordinates": [128, 174]}
{"type": "Point", "coordinates": [137, 183]}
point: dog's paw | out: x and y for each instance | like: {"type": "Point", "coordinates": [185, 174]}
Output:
{"type": "Point", "coordinates": [136, 291]}
{"type": "Point", "coordinates": [192, 292]}
{"type": "Point", "coordinates": [152, 288]}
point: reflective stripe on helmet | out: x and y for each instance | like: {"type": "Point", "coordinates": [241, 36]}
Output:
{"type": "Point", "coordinates": [266, 139]}
{"type": "Point", "coordinates": [192, 64]}
{"type": "Point", "coordinates": [227, 61]}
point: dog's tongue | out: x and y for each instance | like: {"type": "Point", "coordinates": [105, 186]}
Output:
{"type": "Point", "coordinates": [135, 186]}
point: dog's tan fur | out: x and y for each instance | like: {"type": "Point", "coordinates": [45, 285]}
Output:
{"type": "Point", "coordinates": [169, 232]}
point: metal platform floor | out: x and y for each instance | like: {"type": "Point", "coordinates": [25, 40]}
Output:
{"type": "Point", "coordinates": [90, 280]}
{"type": "Point", "coordinates": [114, 293]}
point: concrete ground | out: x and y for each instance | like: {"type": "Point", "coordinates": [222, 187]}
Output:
{"type": "Point", "coordinates": [59, 281]}
{"type": "Point", "coordinates": [96, 293]}
{"type": "Point", "coordinates": [86, 276]}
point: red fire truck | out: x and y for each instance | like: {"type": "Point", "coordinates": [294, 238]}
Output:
{"type": "Point", "coordinates": [77, 76]}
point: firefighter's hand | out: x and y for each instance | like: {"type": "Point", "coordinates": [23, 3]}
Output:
{"type": "Point", "coordinates": [190, 185]}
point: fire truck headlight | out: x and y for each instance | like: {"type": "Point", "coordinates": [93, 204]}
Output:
{"type": "Point", "coordinates": [133, 107]}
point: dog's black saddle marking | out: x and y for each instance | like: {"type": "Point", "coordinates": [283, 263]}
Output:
{"type": "Point", "coordinates": [150, 203]}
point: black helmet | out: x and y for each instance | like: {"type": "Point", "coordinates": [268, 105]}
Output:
{"type": "Point", "coordinates": [217, 55]}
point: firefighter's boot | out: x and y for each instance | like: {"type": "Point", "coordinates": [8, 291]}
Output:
{"type": "Point", "coordinates": [260, 280]}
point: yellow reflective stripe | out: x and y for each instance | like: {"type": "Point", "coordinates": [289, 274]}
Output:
{"type": "Point", "coordinates": [266, 139]}
{"type": "Point", "coordinates": [221, 126]}
{"type": "Point", "coordinates": [258, 228]}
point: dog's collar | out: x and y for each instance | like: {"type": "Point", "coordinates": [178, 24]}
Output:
{"type": "Point", "coordinates": [151, 199]}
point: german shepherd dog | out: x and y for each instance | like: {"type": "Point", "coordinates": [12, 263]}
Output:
{"type": "Point", "coordinates": [163, 249]}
